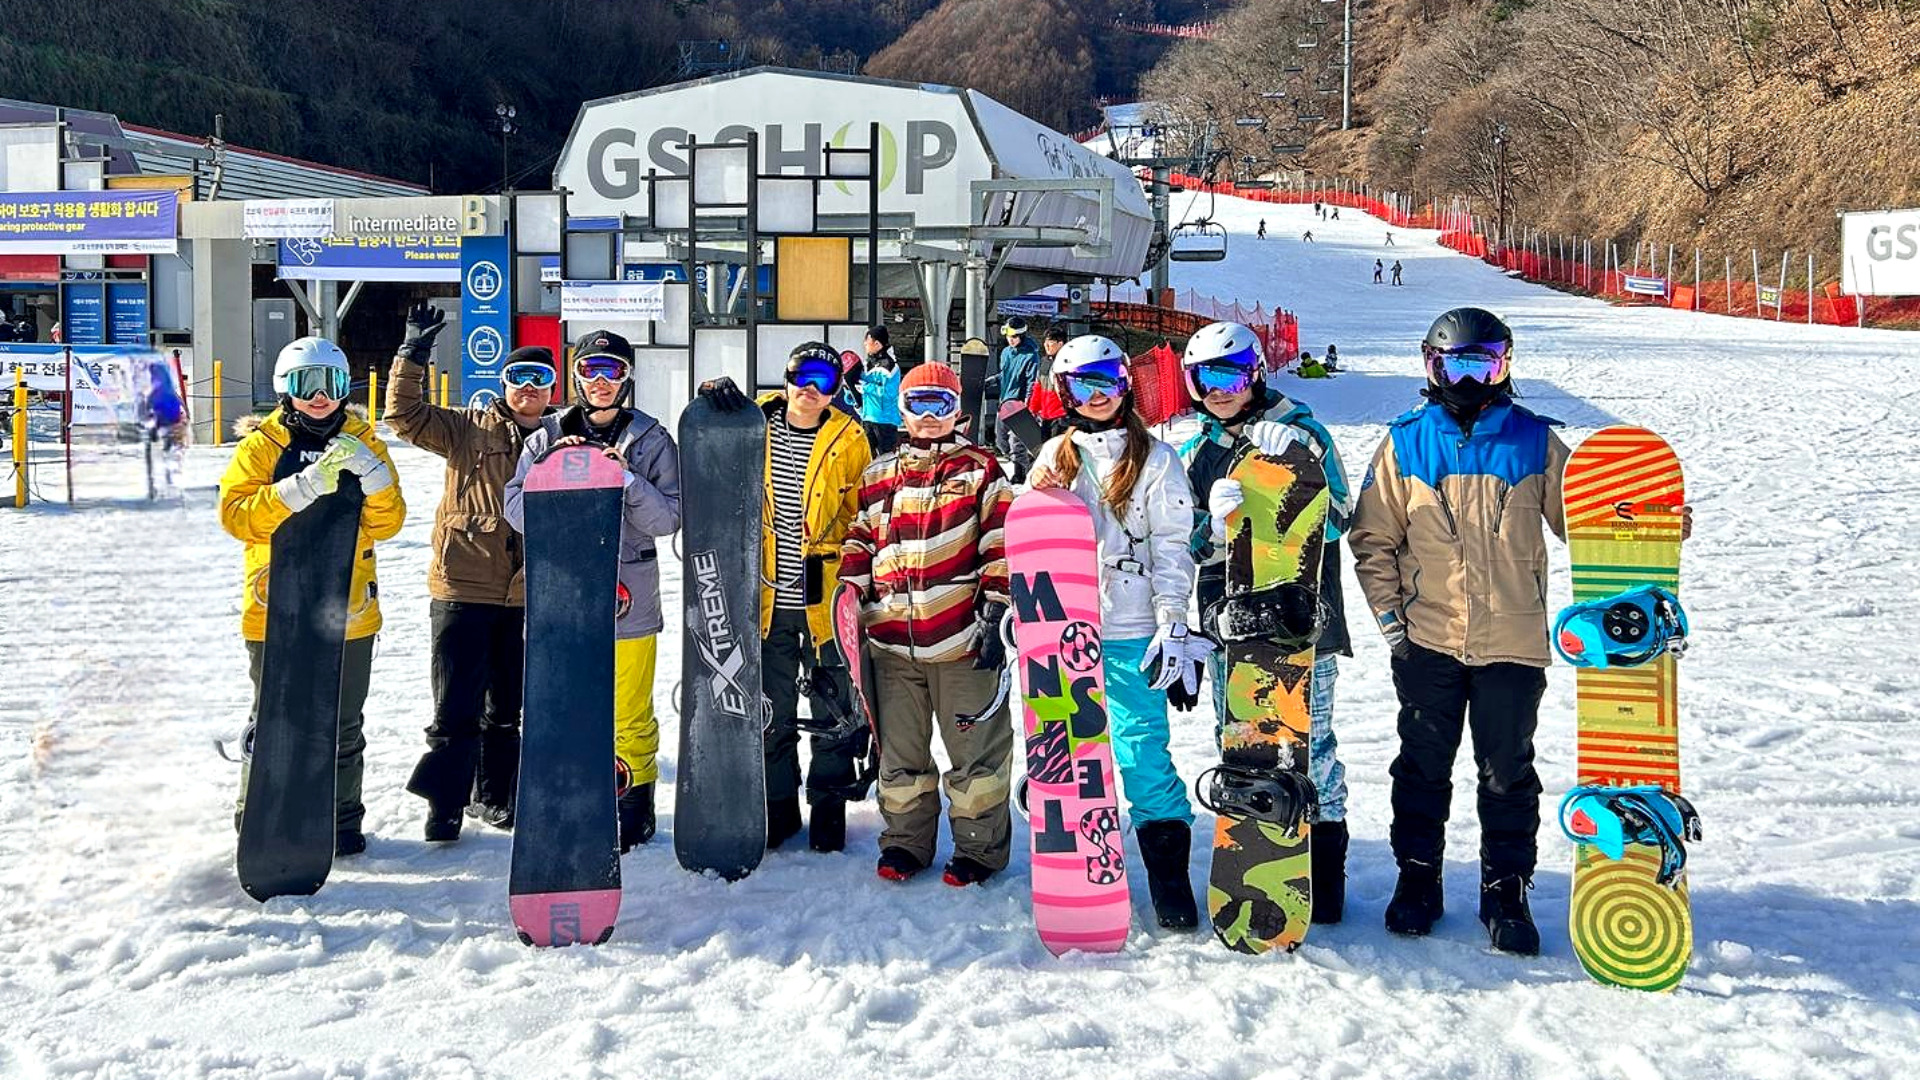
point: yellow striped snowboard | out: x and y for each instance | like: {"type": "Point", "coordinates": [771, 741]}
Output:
{"type": "Point", "coordinates": [1623, 493]}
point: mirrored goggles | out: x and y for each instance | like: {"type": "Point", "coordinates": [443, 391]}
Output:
{"type": "Point", "coordinates": [1219, 377]}
{"type": "Point", "coordinates": [1485, 364]}
{"type": "Point", "coordinates": [815, 375]}
{"type": "Point", "coordinates": [934, 402]}
{"type": "Point", "coordinates": [307, 383]}
{"type": "Point", "coordinates": [1100, 378]}
{"type": "Point", "coordinates": [528, 373]}
{"type": "Point", "coordinates": [610, 369]}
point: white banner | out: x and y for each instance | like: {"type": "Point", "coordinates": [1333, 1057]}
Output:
{"type": "Point", "coordinates": [1646, 286]}
{"type": "Point", "coordinates": [283, 219]}
{"type": "Point", "coordinates": [613, 301]}
{"type": "Point", "coordinates": [104, 388]}
{"type": "Point", "coordinates": [1880, 253]}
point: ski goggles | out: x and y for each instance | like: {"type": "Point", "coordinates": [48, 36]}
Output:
{"type": "Point", "coordinates": [1100, 378]}
{"type": "Point", "coordinates": [602, 368]}
{"type": "Point", "coordinates": [816, 375]}
{"type": "Point", "coordinates": [1485, 364]}
{"type": "Point", "coordinates": [933, 402]}
{"type": "Point", "coordinates": [307, 383]}
{"type": "Point", "coordinates": [1220, 377]}
{"type": "Point", "coordinates": [528, 373]}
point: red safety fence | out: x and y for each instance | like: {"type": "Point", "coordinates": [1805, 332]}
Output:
{"type": "Point", "coordinates": [1158, 393]}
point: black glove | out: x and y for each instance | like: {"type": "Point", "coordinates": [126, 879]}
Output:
{"type": "Point", "coordinates": [424, 323]}
{"type": "Point", "coordinates": [1177, 695]}
{"type": "Point", "coordinates": [989, 646]}
{"type": "Point", "coordinates": [723, 395]}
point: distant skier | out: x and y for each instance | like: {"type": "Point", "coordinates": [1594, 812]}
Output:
{"type": "Point", "coordinates": [1334, 213]}
{"type": "Point", "coordinates": [1389, 237]}
{"type": "Point", "coordinates": [1262, 233]}
{"type": "Point", "coordinates": [163, 415]}
{"type": "Point", "coordinates": [1307, 237]}
{"type": "Point", "coordinates": [1225, 369]}
{"type": "Point", "coordinates": [1396, 272]}
{"type": "Point", "coordinates": [1143, 523]}
{"type": "Point", "coordinates": [285, 462]}
{"type": "Point", "coordinates": [1319, 211]}
{"type": "Point", "coordinates": [880, 391]}
{"type": "Point", "coordinates": [1309, 368]}
{"type": "Point", "coordinates": [1332, 359]}
{"type": "Point", "coordinates": [1379, 269]}
{"type": "Point", "coordinates": [603, 385]}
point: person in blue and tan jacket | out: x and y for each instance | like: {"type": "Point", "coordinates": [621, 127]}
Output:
{"type": "Point", "coordinates": [286, 462]}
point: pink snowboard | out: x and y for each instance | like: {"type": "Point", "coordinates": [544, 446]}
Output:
{"type": "Point", "coordinates": [1079, 874]}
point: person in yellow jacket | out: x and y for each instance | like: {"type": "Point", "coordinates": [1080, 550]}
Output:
{"type": "Point", "coordinates": [291, 459]}
{"type": "Point", "coordinates": [815, 455]}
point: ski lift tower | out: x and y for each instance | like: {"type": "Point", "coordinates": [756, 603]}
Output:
{"type": "Point", "coordinates": [1197, 161]}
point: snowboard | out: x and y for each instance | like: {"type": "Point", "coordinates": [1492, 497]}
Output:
{"type": "Point", "coordinates": [972, 370]}
{"type": "Point", "coordinates": [287, 811]}
{"type": "Point", "coordinates": [1079, 871]}
{"type": "Point", "coordinates": [851, 637]}
{"type": "Point", "coordinates": [1623, 490]}
{"type": "Point", "coordinates": [563, 886]}
{"type": "Point", "coordinates": [720, 807]}
{"type": "Point", "coordinates": [1260, 888]}
{"type": "Point", "coordinates": [1023, 425]}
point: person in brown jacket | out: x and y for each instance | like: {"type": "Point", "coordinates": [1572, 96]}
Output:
{"type": "Point", "coordinates": [477, 579]}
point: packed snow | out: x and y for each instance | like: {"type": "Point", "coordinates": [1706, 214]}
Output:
{"type": "Point", "coordinates": [128, 949]}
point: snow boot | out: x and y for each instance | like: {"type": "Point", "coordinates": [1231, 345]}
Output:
{"type": "Point", "coordinates": [1418, 900]}
{"type": "Point", "coordinates": [636, 817]}
{"type": "Point", "coordinates": [827, 826]}
{"type": "Point", "coordinates": [1503, 911]}
{"type": "Point", "coordinates": [349, 843]}
{"type": "Point", "coordinates": [1329, 871]}
{"type": "Point", "coordinates": [500, 817]}
{"type": "Point", "coordinates": [1163, 847]}
{"type": "Point", "coordinates": [962, 871]}
{"type": "Point", "coordinates": [783, 820]}
{"type": "Point", "coordinates": [443, 825]}
{"type": "Point", "coordinates": [898, 864]}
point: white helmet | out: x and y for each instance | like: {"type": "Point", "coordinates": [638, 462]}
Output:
{"type": "Point", "coordinates": [1087, 350]}
{"type": "Point", "coordinates": [304, 353]}
{"type": "Point", "coordinates": [1225, 342]}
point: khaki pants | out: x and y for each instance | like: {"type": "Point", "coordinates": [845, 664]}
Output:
{"type": "Point", "coordinates": [915, 698]}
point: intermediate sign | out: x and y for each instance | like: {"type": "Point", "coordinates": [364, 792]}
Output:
{"type": "Point", "coordinates": [88, 222]}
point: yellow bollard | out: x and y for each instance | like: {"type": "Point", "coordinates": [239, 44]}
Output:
{"type": "Point", "coordinates": [219, 436]}
{"type": "Point", "coordinates": [373, 396]}
{"type": "Point", "coordinates": [19, 437]}
{"type": "Point", "coordinates": [430, 385]}
{"type": "Point", "coordinates": [443, 391]}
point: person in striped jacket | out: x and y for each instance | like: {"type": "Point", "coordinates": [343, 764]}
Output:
{"type": "Point", "coordinates": [927, 551]}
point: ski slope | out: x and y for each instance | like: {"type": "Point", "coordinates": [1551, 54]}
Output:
{"type": "Point", "coordinates": [127, 948]}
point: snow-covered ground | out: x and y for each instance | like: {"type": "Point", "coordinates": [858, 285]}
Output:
{"type": "Point", "coordinates": [127, 948]}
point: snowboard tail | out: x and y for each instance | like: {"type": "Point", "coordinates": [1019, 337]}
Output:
{"type": "Point", "coordinates": [1080, 898]}
{"type": "Point", "coordinates": [1623, 490]}
{"type": "Point", "coordinates": [564, 882]}
{"type": "Point", "coordinates": [720, 808]}
{"type": "Point", "coordinates": [287, 817]}
{"type": "Point", "coordinates": [1260, 888]}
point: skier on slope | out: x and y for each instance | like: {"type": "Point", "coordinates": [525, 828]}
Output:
{"type": "Point", "coordinates": [928, 553]}
{"type": "Point", "coordinates": [880, 392]}
{"type": "Point", "coordinates": [1143, 522]}
{"type": "Point", "coordinates": [284, 463]}
{"type": "Point", "coordinates": [1448, 548]}
{"type": "Point", "coordinates": [815, 455]}
{"type": "Point", "coordinates": [1224, 367]}
{"type": "Point", "coordinates": [476, 579]}
{"type": "Point", "coordinates": [602, 371]}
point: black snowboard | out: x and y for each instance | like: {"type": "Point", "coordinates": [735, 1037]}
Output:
{"type": "Point", "coordinates": [720, 806]}
{"type": "Point", "coordinates": [973, 397]}
{"type": "Point", "coordinates": [564, 886]}
{"type": "Point", "coordinates": [287, 816]}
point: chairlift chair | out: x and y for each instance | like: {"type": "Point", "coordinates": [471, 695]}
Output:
{"type": "Point", "coordinates": [1198, 241]}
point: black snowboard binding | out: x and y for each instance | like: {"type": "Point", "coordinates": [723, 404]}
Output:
{"type": "Point", "coordinates": [1276, 796]}
{"type": "Point", "coordinates": [1289, 616]}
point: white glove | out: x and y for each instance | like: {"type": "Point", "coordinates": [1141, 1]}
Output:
{"type": "Point", "coordinates": [1270, 438]}
{"type": "Point", "coordinates": [305, 487]}
{"type": "Point", "coordinates": [1175, 656]}
{"type": "Point", "coordinates": [1223, 498]}
{"type": "Point", "coordinates": [359, 459]}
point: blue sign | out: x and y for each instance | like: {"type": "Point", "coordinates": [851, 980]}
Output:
{"type": "Point", "coordinates": [127, 313]}
{"type": "Point", "coordinates": [371, 258]}
{"type": "Point", "coordinates": [677, 272]}
{"type": "Point", "coordinates": [486, 309]}
{"type": "Point", "coordinates": [88, 222]}
{"type": "Point", "coordinates": [84, 319]}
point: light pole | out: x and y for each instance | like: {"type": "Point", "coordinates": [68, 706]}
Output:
{"type": "Point", "coordinates": [505, 114]}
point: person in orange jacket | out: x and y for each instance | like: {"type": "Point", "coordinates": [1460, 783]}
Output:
{"type": "Point", "coordinates": [286, 462]}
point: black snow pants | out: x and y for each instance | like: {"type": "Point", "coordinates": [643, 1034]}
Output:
{"type": "Point", "coordinates": [473, 744]}
{"type": "Point", "coordinates": [833, 772]}
{"type": "Point", "coordinates": [1500, 704]}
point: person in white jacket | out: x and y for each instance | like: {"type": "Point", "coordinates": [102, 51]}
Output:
{"type": "Point", "coordinates": [1143, 517]}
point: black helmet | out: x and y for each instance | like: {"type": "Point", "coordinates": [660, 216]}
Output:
{"type": "Point", "coordinates": [1465, 327]}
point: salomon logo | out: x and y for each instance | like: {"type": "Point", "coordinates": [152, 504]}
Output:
{"type": "Point", "coordinates": [712, 628]}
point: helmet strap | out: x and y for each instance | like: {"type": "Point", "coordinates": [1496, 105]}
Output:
{"type": "Point", "coordinates": [1079, 421]}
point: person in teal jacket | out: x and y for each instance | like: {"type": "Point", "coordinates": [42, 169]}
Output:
{"type": "Point", "coordinates": [880, 393]}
